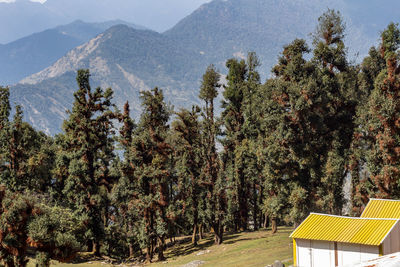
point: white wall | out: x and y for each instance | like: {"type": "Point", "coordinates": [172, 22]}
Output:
{"type": "Point", "coordinates": [355, 253]}
{"type": "Point", "coordinates": [303, 253]}
{"type": "Point", "coordinates": [312, 253]}
{"type": "Point", "coordinates": [323, 254]}
{"type": "Point", "coordinates": [391, 244]}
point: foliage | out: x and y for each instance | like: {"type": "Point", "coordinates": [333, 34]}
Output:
{"type": "Point", "coordinates": [277, 152]}
{"type": "Point", "coordinates": [85, 156]}
{"type": "Point", "coordinates": [377, 143]}
{"type": "Point", "coordinates": [27, 221]}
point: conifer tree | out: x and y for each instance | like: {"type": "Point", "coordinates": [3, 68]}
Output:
{"type": "Point", "coordinates": [26, 221]}
{"type": "Point", "coordinates": [380, 126]}
{"type": "Point", "coordinates": [124, 191]}
{"type": "Point", "coordinates": [240, 131]}
{"type": "Point", "coordinates": [233, 136]}
{"type": "Point", "coordinates": [87, 151]}
{"type": "Point", "coordinates": [362, 185]}
{"type": "Point", "coordinates": [338, 79]}
{"type": "Point", "coordinates": [280, 132]}
{"type": "Point", "coordinates": [311, 118]}
{"type": "Point", "coordinates": [214, 183]}
{"type": "Point", "coordinates": [148, 169]}
{"type": "Point", "coordinates": [5, 109]}
{"type": "Point", "coordinates": [26, 155]}
{"type": "Point", "coordinates": [188, 163]}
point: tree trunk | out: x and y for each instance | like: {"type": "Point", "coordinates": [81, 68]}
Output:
{"type": "Point", "coordinates": [243, 207]}
{"type": "Point", "coordinates": [161, 249]}
{"type": "Point", "coordinates": [131, 248]}
{"type": "Point", "coordinates": [274, 227]}
{"type": "Point", "coordinates": [10, 262]}
{"type": "Point", "coordinates": [266, 221]}
{"type": "Point", "coordinates": [255, 207]}
{"type": "Point", "coordinates": [194, 236]}
{"type": "Point", "coordinates": [96, 248]}
{"type": "Point", "coordinates": [89, 245]}
{"type": "Point", "coordinates": [131, 251]}
{"type": "Point", "coordinates": [201, 234]}
{"type": "Point", "coordinates": [218, 233]}
{"type": "Point", "coordinates": [149, 253]}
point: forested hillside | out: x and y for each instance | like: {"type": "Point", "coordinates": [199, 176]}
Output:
{"type": "Point", "coordinates": [116, 186]}
{"type": "Point", "coordinates": [129, 60]}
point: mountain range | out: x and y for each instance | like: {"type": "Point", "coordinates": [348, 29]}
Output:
{"type": "Point", "coordinates": [21, 18]}
{"type": "Point", "coordinates": [130, 60]}
{"type": "Point", "coordinates": [35, 52]}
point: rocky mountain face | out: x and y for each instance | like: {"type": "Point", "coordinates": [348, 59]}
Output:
{"type": "Point", "coordinates": [130, 60]}
{"type": "Point", "coordinates": [35, 52]}
{"type": "Point", "coordinates": [123, 58]}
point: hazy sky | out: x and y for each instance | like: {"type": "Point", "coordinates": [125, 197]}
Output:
{"type": "Point", "coordinates": [158, 15]}
{"type": "Point", "coordinates": [8, 1]}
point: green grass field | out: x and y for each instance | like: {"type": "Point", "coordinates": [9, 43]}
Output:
{"type": "Point", "coordinates": [243, 249]}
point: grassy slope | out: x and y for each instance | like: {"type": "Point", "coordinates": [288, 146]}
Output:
{"type": "Point", "coordinates": [244, 249]}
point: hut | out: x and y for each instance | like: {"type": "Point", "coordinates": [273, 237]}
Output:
{"type": "Point", "coordinates": [329, 241]}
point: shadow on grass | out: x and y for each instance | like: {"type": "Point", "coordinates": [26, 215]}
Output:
{"type": "Point", "coordinates": [188, 248]}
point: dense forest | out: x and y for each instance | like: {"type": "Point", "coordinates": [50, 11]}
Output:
{"type": "Point", "coordinates": [278, 150]}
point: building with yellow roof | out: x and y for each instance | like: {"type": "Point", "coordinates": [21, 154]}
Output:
{"type": "Point", "coordinates": [327, 241]}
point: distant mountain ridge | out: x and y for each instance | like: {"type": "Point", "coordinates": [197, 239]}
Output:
{"type": "Point", "coordinates": [35, 52]}
{"type": "Point", "coordinates": [22, 18]}
{"type": "Point", "coordinates": [123, 58]}
{"type": "Point", "coordinates": [130, 60]}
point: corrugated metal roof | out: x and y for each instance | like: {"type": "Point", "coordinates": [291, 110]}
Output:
{"type": "Point", "coordinates": [324, 227]}
{"type": "Point", "coordinates": [382, 208]}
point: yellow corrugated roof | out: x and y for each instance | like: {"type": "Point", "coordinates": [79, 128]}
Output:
{"type": "Point", "coordinates": [382, 208]}
{"type": "Point", "coordinates": [324, 227]}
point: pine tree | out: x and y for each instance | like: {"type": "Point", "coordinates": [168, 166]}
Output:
{"type": "Point", "coordinates": [283, 134]}
{"type": "Point", "coordinates": [338, 79]}
{"type": "Point", "coordinates": [215, 205]}
{"type": "Point", "coordinates": [362, 186]}
{"type": "Point", "coordinates": [5, 109]}
{"type": "Point", "coordinates": [148, 169]}
{"type": "Point", "coordinates": [310, 122]}
{"type": "Point", "coordinates": [26, 156]}
{"type": "Point", "coordinates": [87, 151]}
{"type": "Point", "coordinates": [26, 221]}
{"type": "Point", "coordinates": [233, 136]}
{"type": "Point", "coordinates": [188, 163]}
{"type": "Point", "coordinates": [124, 191]}
{"type": "Point", "coordinates": [380, 125]}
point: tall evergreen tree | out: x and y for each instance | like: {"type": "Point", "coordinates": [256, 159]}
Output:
{"type": "Point", "coordinates": [310, 99]}
{"type": "Point", "coordinates": [240, 131]}
{"type": "Point", "coordinates": [215, 205]}
{"type": "Point", "coordinates": [338, 79]}
{"type": "Point", "coordinates": [149, 160]}
{"type": "Point", "coordinates": [362, 185]}
{"type": "Point", "coordinates": [88, 151]}
{"type": "Point", "coordinates": [5, 109]}
{"type": "Point", "coordinates": [26, 155]}
{"type": "Point", "coordinates": [233, 136]}
{"type": "Point", "coordinates": [380, 125]}
{"type": "Point", "coordinates": [124, 191]}
{"type": "Point", "coordinates": [280, 131]}
{"type": "Point", "coordinates": [188, 158]}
